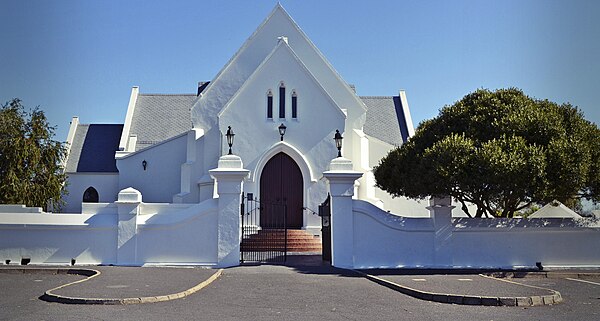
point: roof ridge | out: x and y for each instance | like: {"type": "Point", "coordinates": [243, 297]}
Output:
{"type": "Point", "coordinates": [154, 94]}
{"type": "Point", "coordinates": [110, 124]}
{"type": "Point", "coordinates": [377, 96]}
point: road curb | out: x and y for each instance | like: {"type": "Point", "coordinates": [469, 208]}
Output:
{"type": "Point", "coordinates": [77, 271]}
{"type": "Point", "coordinates": [537, 300]}
{"type": "Point", "coordinates": [52, 297]}
{"type": "Point", "coordinates": [549, 275]}
{"type": "Point", "coordinates": [49, 296]}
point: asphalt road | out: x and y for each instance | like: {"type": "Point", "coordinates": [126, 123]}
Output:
{"type": "Point", "coordinates": [288, 293]}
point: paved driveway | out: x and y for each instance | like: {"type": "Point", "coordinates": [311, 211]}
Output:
{"type": "Point", "coordinates": [289, 293]}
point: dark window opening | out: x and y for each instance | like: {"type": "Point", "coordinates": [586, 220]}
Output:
{"type": "Point", "coordinates": [90, 195]}
{"type": "Point", "coordinates": [270, 105]}
{"type": "Point", "coordinates": [294, 105]}
{"type": "Point", "coordinates": [282, 102]}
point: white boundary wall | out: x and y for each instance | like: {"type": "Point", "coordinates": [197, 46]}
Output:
{"type": "Point", "coordinates": [162, 234]}
{"type": "Point", "coordinates": [364, 236]}
{"type": "Point", "coordinates": [382, 239]}
{"type": "Point", "coordinates": [130, 232]}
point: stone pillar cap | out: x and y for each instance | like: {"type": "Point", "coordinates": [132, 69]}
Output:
{"type": "Point", "coordinates": [340, 164]}
{"type": "Point", "coordinates": [440, 201]}
{"type": "Point", "coordinates": [129, 195]}
{"type": "Point", "coordinates": [230, 162]}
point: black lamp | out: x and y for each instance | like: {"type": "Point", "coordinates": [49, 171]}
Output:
{"type": "Point", "coordinates": [338, 142]}
{"type": "Point", "coordinates": [144, 164]}
{"type": "Point", "coordinates": [282, 129]}
{"type": "Point", "coordinates": [229, 135]}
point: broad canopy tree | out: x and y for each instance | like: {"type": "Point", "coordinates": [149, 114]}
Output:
{"type": "Point", "coordinates": [30, 160]}
{"type": "Point", "coordinates": [499, 150]}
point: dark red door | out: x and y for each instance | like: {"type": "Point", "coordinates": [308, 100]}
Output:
{"type": "Point", "coordinates": [281, 182]}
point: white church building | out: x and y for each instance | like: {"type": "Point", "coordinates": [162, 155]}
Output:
{"type": "Point", "coordinates": [168, 142]}
{"type": "Point", "coordinates": [163, 189]}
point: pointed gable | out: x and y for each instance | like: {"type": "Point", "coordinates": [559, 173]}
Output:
{"type": "Point", "coordinates": [283, 64]}
{"type": "Point", "coordinates": [310, 132]}
{"type": "Point", "coordinates": [253, 53]}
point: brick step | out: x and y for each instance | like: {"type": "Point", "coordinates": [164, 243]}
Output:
{"type": "Point", "coordinates": [282, 239]}
{"type": "Point", "coordinates": [281, 244]}
{"type": "Point", "coordinates": [289, 249]}
{"type": "Point", "coordinates": [297, 241]}
{"type": "Point", "coordinates": [281, 232]}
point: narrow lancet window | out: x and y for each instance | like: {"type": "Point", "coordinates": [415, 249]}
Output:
{"type": "Point", "coordinates": [294, 105]}
{"type": "Point", "coordinates": [282, 101]}
{"type": "Point", "coordinates": [270, 105]}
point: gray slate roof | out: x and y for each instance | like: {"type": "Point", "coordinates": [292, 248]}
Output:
{"type": "Point", "coordinates": [385, 119]}
{"type": "Point", "coordinates": [93, 148]}
{"type": "Point", "coordinates": [158, 117]}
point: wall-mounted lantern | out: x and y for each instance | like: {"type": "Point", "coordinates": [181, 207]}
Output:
{"type": "Point", "coordinates": [338, 142]}
{"type": "Point", "coordinates": [144, 164]}
{"type": "Point", "coordinates": [282, 129]}
{"type": "Point", "coordinates": [229, 136]}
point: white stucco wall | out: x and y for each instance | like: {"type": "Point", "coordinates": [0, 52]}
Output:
{"type": "Point", "coordinates": [181, 234]}
{"type": "Point", "coordinates": [49, 238]}
{"type": "Point", "coordinates": [106, 184]}
{"type": "Point", "coordinates": [385, 240]}
{"type": "Point", "coordinates": [163, 234]}
{"type": "Point", "coordinates": [162, 177]}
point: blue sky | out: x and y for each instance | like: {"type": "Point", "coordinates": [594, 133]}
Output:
{"type": "Point", "coordinates": [82, 57]}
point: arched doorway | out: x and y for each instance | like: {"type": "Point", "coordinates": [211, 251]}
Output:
{"type": "Point", "coordinates": [90, 195]}
{"type": "Point", "coordinates": [281, 182]}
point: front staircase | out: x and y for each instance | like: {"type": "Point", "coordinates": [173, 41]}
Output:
{"type": "Point", "coordinates": [268, 239]}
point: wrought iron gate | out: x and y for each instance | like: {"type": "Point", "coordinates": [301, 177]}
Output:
{"type": "Point", "coordinates": [266, 241]}
{"type": "Point", "coordinates": [325, 214]}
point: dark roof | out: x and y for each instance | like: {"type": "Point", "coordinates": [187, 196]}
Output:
{"type": "Point", "coordinates": [385, 119]}
{"type": "Point", "coordinates": [93, 148]}
{"type": "Point", "coordinates": [158, 117]}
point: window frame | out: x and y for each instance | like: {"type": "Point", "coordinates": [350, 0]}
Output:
{"type": "Point", "coordinates": [281, 100]}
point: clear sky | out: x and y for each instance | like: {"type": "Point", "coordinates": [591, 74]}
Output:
{"type": "Point", "coordinates": [82, 57]}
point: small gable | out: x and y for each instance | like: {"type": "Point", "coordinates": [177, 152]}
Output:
{"type": "Point", "coordinates": [93, 148]}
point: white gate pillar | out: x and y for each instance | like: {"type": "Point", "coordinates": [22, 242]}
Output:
{"type": "Point", "coordinates": [128, 207]}
{"type": "Point", "coordinates": [229, 176]}
{"type": "Point", "coordinates": [341, 177]}
{"type": "Point", "coordinates": [441, 214]}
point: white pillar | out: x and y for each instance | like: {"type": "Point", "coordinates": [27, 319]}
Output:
{"type": "Point", "coordinates": [341, 179]}
{"type": "Point", "coordinates": [441, 214]}
{"type": "Point", "coordinates": [128, 204]}
{"type": "Point", "coordinates": [229, 175]}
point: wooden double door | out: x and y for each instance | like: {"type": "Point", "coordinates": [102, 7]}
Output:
{"type": "Point", "coordinates": [281, 183]}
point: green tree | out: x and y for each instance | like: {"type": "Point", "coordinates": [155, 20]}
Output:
{"type": "Point", "coordinates": [501, 151]}
{"type": "Point", "coordinates": [31, 170]}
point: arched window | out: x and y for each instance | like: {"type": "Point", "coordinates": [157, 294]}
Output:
{"type": "Point", "coordinates": [294, 105]}
{"type": "Point", "coordinates": [90, 195]}
{"type": "Point", "coordinates": [282, 100]}
{"type": "Point", "coordinates": [270, 104]}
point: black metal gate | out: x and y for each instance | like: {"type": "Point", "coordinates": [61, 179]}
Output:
{"type": "Point", "coordinates": [325, 214]}
{"type": "Point", "coordinates": [265, 242]}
